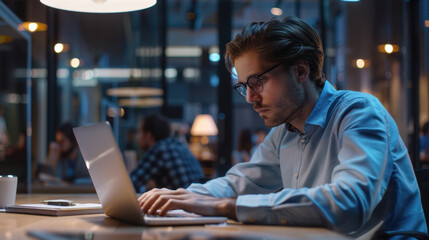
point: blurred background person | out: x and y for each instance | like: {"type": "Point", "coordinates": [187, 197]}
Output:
{"type": "Point", "coordinates": [64, 160]}
{"type": "Point", "coordinates": [12, 152]}
{"type": "Point", "coordinates": [258, 138]}
{"type": "Point", "coordinates": [167, 162]}
{"type": "Point", "coordinates": [244, 147]}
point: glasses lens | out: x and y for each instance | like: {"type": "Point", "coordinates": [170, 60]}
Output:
{"type": "Point", "coordinates": [241, 89]}
{"type": "Point", "coordinates": [255, 84]}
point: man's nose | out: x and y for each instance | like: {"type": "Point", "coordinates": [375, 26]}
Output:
{"type": "Point", "coordinates": [251, 95]}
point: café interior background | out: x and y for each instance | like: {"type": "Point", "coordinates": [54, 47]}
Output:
{"type": "Point", "coordinates": [120, 67]}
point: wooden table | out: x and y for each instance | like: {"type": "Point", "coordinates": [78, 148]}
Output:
{"type": "Point", "coordinates": [99, 226]}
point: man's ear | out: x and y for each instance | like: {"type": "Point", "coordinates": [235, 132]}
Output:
{"type": "Point", "coordinates": [302, 71]}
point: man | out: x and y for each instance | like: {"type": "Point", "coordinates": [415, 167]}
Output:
{"type": "Point", "coordinates": [333, 159]}
{"type": "Point", "coordinates": [167, 163]}
{"type": "Point", "coordinates": [64, 159]}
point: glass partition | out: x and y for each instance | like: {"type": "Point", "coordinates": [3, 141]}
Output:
{"type": "Point", "coordinates": [15, 99]}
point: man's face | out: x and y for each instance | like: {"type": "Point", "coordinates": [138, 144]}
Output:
{"type": "Point", "coordinates": [64, 143]}
{"type": "Point", "coordinates": [282, 95]}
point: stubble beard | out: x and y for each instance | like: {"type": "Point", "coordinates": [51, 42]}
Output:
{"type": "Point", "coordinates": [288, 108]}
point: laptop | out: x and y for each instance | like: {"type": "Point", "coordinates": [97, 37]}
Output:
{"type": "Point", "coordinates": [113, 185]}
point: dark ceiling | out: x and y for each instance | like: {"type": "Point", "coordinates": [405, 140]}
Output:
{"type": "Point", "coordinates": [114, 38]}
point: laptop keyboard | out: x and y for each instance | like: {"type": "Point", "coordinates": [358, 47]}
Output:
{"type": "Point", "coordinates": [158, 216]}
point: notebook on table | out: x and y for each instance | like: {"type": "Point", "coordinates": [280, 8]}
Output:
{"type": "Point", "coordinates": [50, 210]}
{"type": "Point", "coordinates": [112, 183]}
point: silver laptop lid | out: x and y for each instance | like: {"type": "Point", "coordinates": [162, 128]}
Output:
{"type": "Point", "coordinates": [108, 173]}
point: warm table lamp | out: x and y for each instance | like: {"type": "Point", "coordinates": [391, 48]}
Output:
{"type": "Point", "coordinates": [204, 126]}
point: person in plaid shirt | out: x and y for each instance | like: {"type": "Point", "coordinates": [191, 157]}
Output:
{"type": "Point", "coordinates": [167, 163]}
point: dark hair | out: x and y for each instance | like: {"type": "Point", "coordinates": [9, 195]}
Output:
{"type": "Point", "coordinates": [284, 41]}
{"type": "Point", "coordinates": [245, 140]}
{"type": "Point", "coordinates": [67, 130]}
{"type": "Point", "coordinates": [425, 128]}
{"type": "Point", "coordinates": [157, 125]}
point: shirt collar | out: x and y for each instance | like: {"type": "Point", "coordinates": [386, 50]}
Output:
{"type": "Point", "coordinates": [319, 113]}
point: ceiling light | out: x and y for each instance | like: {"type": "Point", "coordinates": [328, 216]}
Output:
{"type": "Point", "coordinates": [183, 51]}
{"type": "Point", "coordinates": [361, 63]}
{"type": "Point", "coordinates": [191, 73]}
{"type": "Point", "coordinates": [214, 57]}
{"type": "Point", "coordinates": [276, 10]}
{"type": "Point", "coordinates": [141, 102]}
{"type": "Point", "coordinates": [75, 62]}
{"type": "Point", "coordinates": [388, 48]}
{"type": "Point", "coordinates": [134, 92]}
{"type": "Point", "coordinates": [59, 47]}
{"type": "Point", "coordinates": [172, 51]}
{"type": "Point", "coordinates": [33, 27]}
{"type": "Point", "coordinates": [170, 73]}
{"type": "Point", "coordinates": [100, 6]}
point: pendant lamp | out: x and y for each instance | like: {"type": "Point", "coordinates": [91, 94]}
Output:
{"type": "Point", "coordinates": [99, 6]}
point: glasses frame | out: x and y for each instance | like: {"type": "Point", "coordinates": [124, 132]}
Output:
{"type": "Point", "coordinates": [237, 86]}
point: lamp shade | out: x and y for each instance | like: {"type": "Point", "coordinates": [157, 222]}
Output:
{"type": "Point", "coordinates": [99, 6]}
{"type": "Point", "coordinates": [204, 125]}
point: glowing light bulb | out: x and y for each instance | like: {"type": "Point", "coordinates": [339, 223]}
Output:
{"type": "Point", "coordinates": [75, 62]}
{"type": "Point", "coordinates": [388, 48]}
{"type": "Point", "coordinates": [214, 57]}
{"type": "Point", "coordinates": [59, 47]}
{"type": "Point", "coordinates": [32, 27]}
{"type": "Point", "coordinates": [276, 11]}
{"type": "Point", "coordinates": [360, 63]}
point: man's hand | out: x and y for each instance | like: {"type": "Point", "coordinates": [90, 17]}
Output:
{"type": "Point", "coordinates": [54, 148]}
{"type": "Point", "coordinates": [165, 199]}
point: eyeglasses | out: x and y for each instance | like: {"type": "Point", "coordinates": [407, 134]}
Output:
{"type": "Point", "coordinates": [254, 83]}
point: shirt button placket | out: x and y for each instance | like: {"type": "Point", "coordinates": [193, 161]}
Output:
{"type": "Point", "coordinates": [298, 166]}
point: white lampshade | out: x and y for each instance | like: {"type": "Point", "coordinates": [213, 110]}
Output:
{"type": "Point", "coordinates": [99, 6]}
{"type": "Point", "coordinates": [204, 125]}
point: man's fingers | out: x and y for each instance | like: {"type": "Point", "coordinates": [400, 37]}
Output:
{"type": "Point", "coordinates": [170, 205]}
{"type": "Point", "coordinates": [161, 191]}
{"type": "Point", "coordinates": [145, 196]}
{"type": "Point", "coordinates": [149, 199]}
{"type": "Point", "coordinates": [163, 203]}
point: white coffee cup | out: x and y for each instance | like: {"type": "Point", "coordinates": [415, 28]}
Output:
{"type": "Point", "coordinates": [8, 185]}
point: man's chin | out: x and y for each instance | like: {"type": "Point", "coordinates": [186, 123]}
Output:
{"type": "Point", "coordinates": [269, 123]}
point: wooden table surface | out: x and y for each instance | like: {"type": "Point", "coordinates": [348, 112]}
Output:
{"type": "Point", "coordinates": [100, 226]}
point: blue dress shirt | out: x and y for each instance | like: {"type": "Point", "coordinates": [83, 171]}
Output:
{"type": "Point", "coordinates": [348, 171]}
